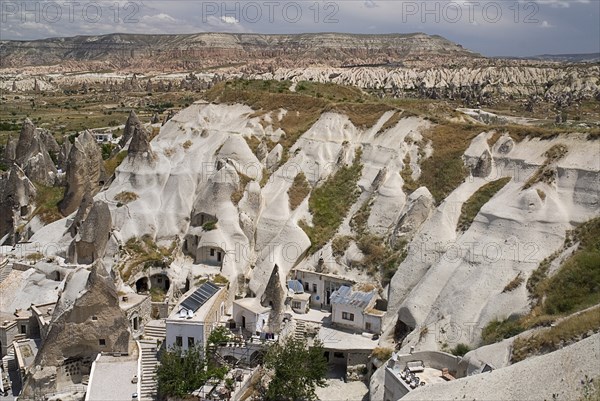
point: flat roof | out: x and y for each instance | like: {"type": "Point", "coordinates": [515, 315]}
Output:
{"type": "Point", "coordinates": [252, 305]}
{"type": "Point", "coordinates": [111, 379]}
{"type": "Point", "coordinates": [428, 375]}
{"type": "Point", "coordinates": [25, 351]}
{"type": "Point", "coordinates": [133, 300]}
{"type": "Point", "coordinates": [302, 296]}
{"type": "Point", "coordinates": [197, 315]}
{"type": "Point", "coordinates": [330, 275]}
{"type": "Point", "coordinates": [342, 340]}
{"type": "Point", "coordinates": [344, 295]}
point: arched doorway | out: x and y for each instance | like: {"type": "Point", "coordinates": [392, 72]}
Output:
{"type": "Point", "coordinates": [142, 285]}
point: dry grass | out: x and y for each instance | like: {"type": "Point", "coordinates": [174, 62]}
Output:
{"type": "Point", "coordinates": [125, 197]}
{"type": "Point", "coordinates": [546, 172]}
{"type": "Point", "coordinates": [382, 353]}
{"type": "Point", "coordinates": [391, 122]}
{"type": "Point", "coordinates": [514, 283]}
{"type": "Point", "coordinates": [410, 185]}
{"type": "Point", "coordinates": [494, 138]}
{"type": "Point", "coordinates": [362, 115]}
{"type": "Point", "coordinates": [340, 244]}
{"type": "Point", "coordinates": [238, 194]}
{"type": "Point", "coordinates": [541, 194]}
{"type": "Point", "coordinates": [298, 191]}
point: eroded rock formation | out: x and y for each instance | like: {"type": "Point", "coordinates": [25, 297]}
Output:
{"type": "Point", "coordinates": [91, 230]}
{"type": "Point", "coordinates": [85, 172]}
{"type": "Point", "coordinates": [32, 155]}
{"type": "Point", "coordinates": [87, 320]}
{"type": "Point", "coordinates": [17, 195]}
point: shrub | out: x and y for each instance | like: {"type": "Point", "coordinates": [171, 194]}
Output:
{"type": "Point", "coordinates": [460, 349]}
{"type": "Point", "coordinates": [382, 353]}
{"type": "Point", "coordinates": [187, 144]}
{"type": "Point", "coordinates": [209, 225]}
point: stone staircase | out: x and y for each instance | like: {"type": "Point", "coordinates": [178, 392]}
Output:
{"type": "Point", "coordinates": [155, 329]}
{"type": "Point", "coordinates": [9, 363]}
{"type": "Point", "coordinates": [5, 271]}
{"type": "Point", "coordinates": [148, 385]}
{"type": "Point", "coordinates": [300, 331]}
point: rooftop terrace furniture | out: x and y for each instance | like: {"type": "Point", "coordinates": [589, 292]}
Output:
{"type": "Point", "coordinates": [415, 366]}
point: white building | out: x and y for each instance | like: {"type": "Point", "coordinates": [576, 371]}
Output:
{"type": "Point", "coordinates": [320, 286]}
{"type": "Point", "coordinates": [250, 315]}
{"type": "Point", "coordinates": [298, 299]}
{"type": "Point", "coordinates": [192, 320]}
{"type": "Point", "coordinates": [103, 137]}
{"type": "Point", "coordinates": [356, 310]}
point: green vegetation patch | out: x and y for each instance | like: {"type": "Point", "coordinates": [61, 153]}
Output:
{"type": "Point", "coordinates": [298, 191]}
{"type": "Point", "coordinates": [110, 165]}
{"type": "Point", "coordinates": [551, 339]}
{"type": "Point", "coordinates": [444, 171]}
{"type": "Point", "coordinates": [330, 202]}
{"type": "Point", "coordinates": [143, 253]}
{"type": "Point", "coordinates": [574, 287]}
{"type": "Point", "coordinates": [471, 207]}
{"type": "Point", "coordinates": [46, 200]}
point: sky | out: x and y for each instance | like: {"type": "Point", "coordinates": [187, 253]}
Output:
{"type": "Point", "coordinates": [492, 28]}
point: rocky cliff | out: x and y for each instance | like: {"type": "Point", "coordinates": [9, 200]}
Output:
{"type": "Point", "coordinates": [213, 49]}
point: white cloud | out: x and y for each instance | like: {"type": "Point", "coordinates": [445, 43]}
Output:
{"type": "Point", "coordinates": [546, 24]}
{"type": "Point", "coordinates": [229, 20]}
{"type": "Point", "coordinates": [558, 3]}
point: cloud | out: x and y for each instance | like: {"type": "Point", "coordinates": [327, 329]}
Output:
{"type": "Point", "coordinates": [546, 24]}
{"type": "Point", "coordinates": [557, 3]}
{"type": "Point", "coordinates": [229, 20]}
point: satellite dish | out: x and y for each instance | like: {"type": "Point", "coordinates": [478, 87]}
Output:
{"type": "Point", "coordinates": [190, 314]}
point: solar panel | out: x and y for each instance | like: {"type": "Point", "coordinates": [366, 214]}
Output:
{"type": "Point", "coordinates": [200, 296]}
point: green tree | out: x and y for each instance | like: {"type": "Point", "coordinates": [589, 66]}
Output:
{"type": "Point", "coordinates": [181, 372]}
{"type": "Point", "coordinates": [219, 335]}
{"type": "Point", "coordinates": [297, 370]}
